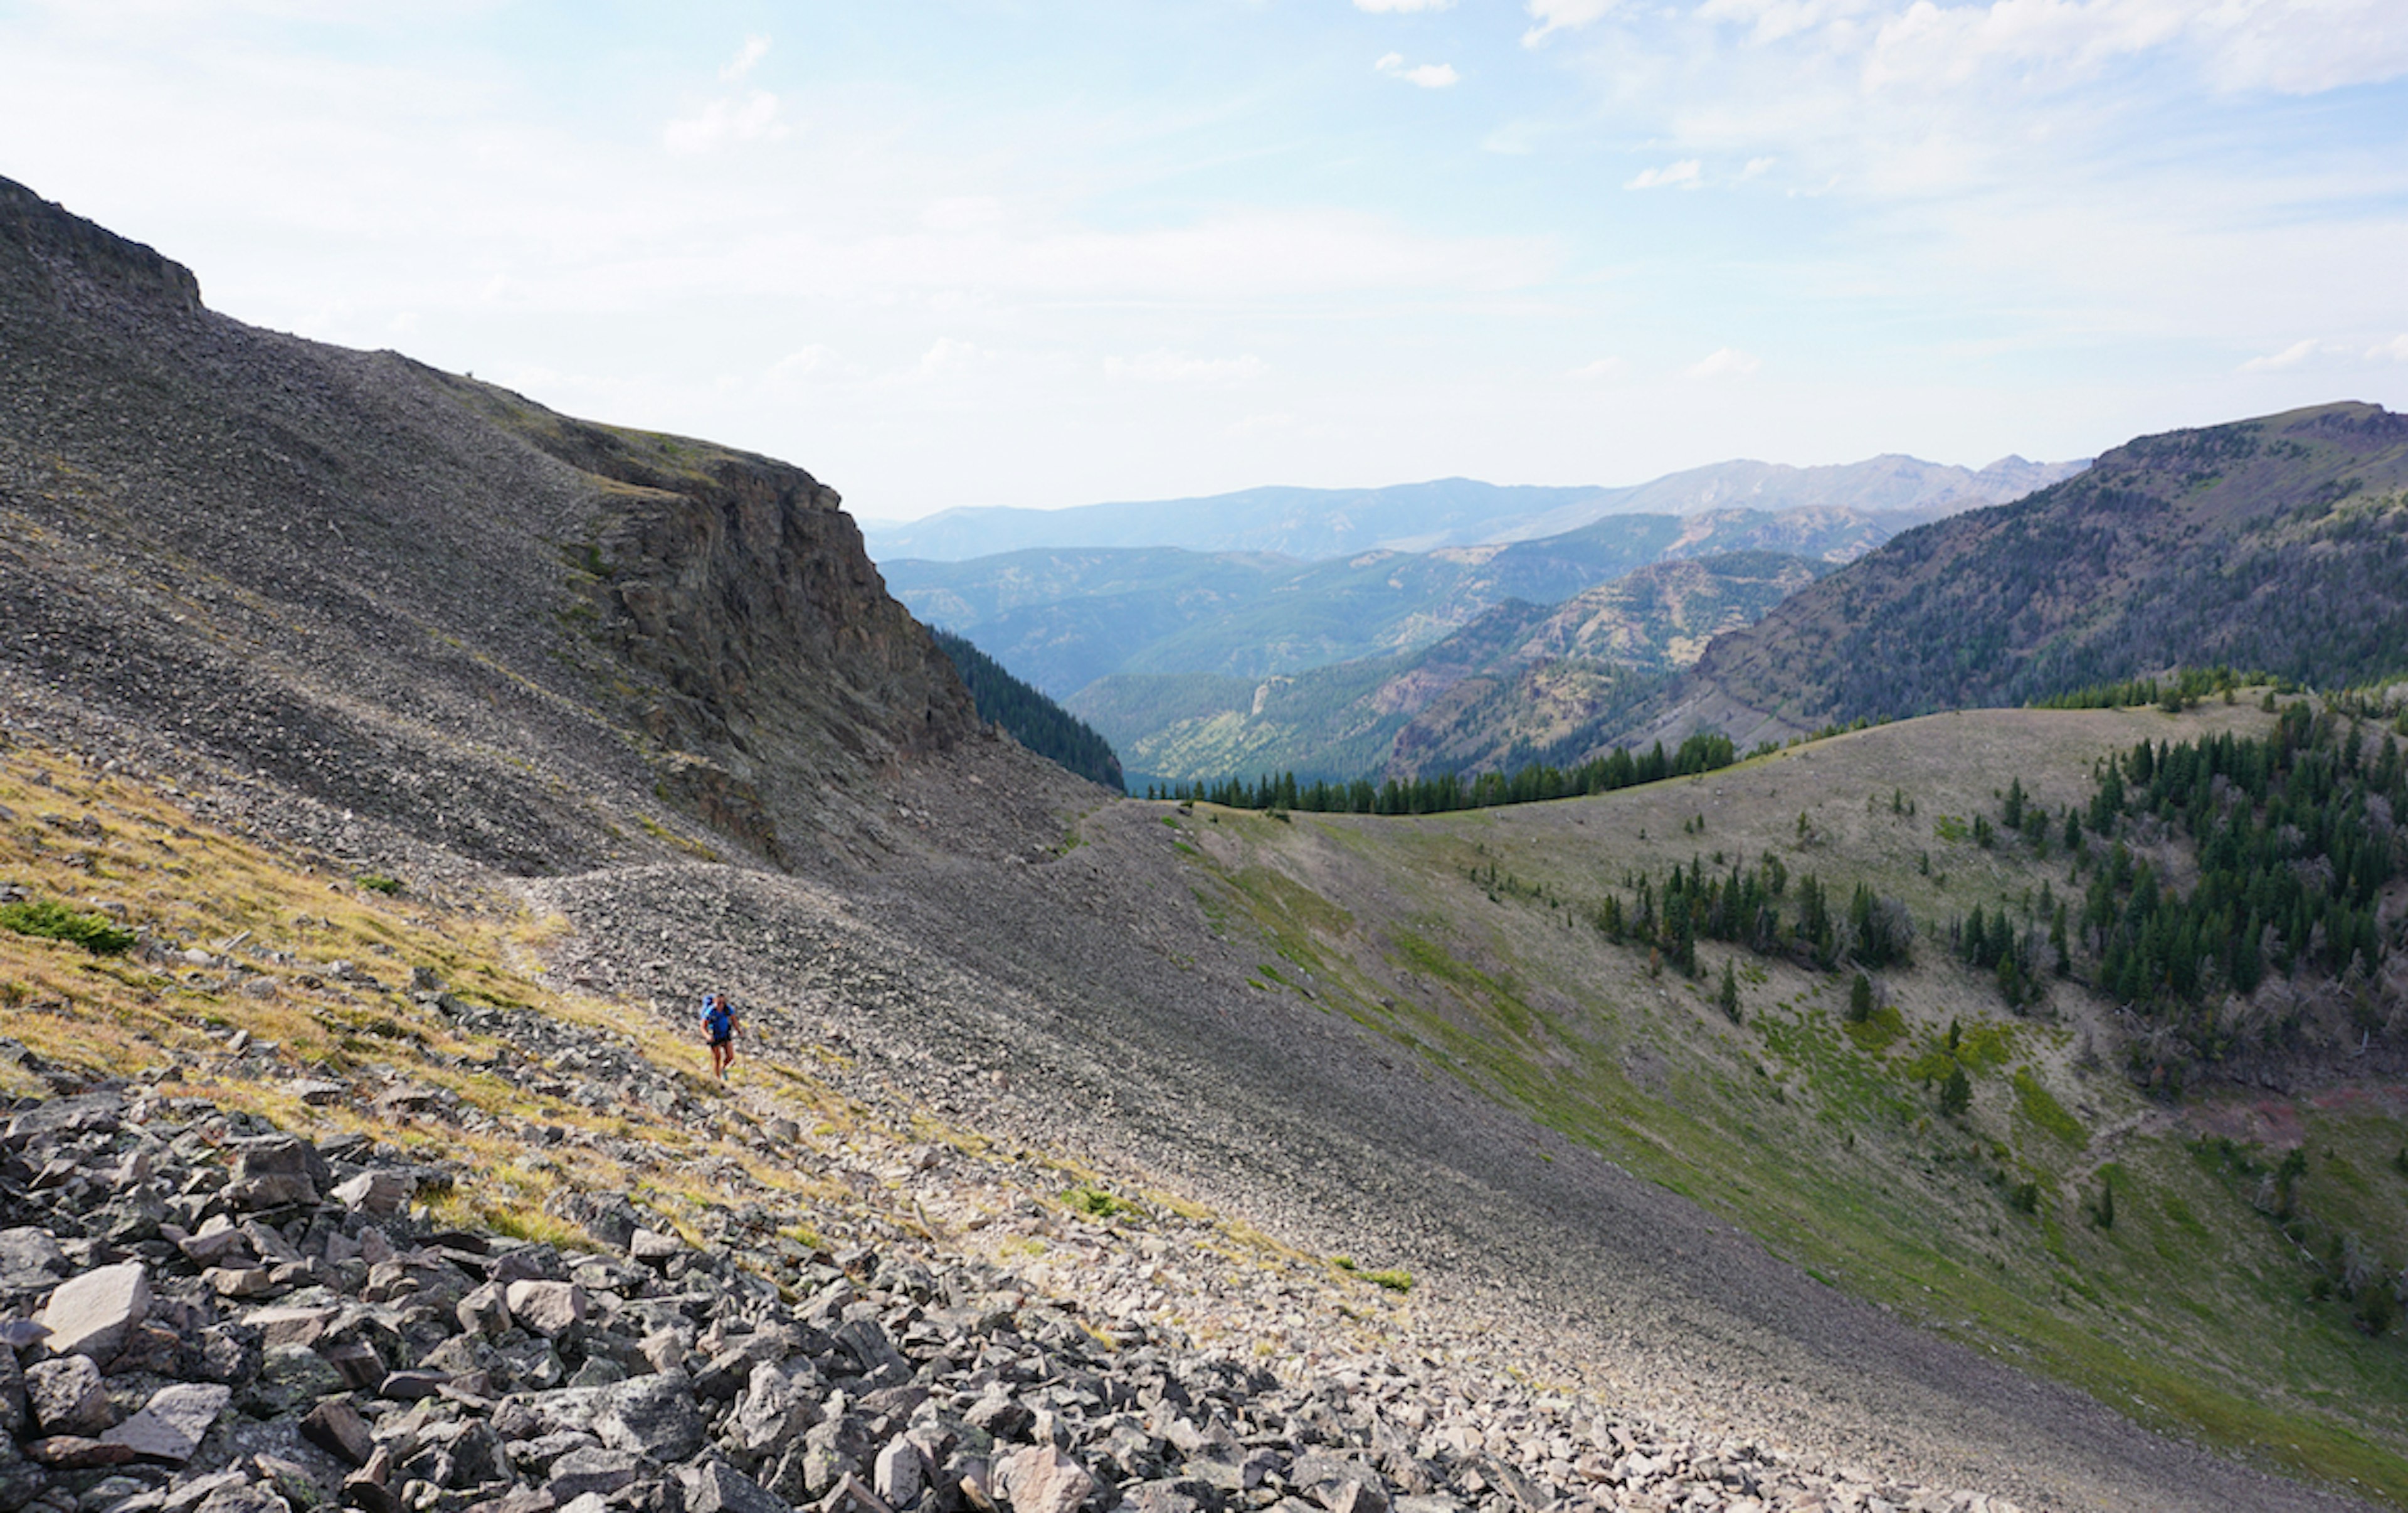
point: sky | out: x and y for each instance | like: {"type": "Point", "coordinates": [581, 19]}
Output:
{"type": "Point", "coordinates": [1047, 252]}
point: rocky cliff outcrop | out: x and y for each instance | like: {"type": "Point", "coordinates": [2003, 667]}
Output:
{"type": "Point", "coordinates": [424, 600]}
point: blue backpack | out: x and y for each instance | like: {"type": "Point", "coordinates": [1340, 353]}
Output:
{"type": "Point", "coordinates": [719, 1019]}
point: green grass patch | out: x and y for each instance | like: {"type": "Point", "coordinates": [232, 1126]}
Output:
{"type": "Point", "coordinates": [2036, 1103]}
{"type": "Point", "coordinates": [1876, 1034]}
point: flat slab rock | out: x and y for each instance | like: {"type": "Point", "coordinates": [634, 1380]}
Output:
{"type": "Point", "coordinates": [173, 1423]}
{"type": "Point", "coordinates": [92, 1314]}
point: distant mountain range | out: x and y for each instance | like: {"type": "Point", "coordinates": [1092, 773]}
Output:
{"type": "Point", "coordinates": [1512, 686]}
{"type": "Point", "coordinates": [1063, 618]}
{"type": "Point", "coordinates": [1315, 523]}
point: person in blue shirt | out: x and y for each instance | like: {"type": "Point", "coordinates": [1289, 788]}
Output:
{"type": "Point", "coordinates": [719, 1027]}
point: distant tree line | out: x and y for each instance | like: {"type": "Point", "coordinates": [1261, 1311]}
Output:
{"type": "Point", "coordinates": [1620, 769]}
{"type": "Point", "coordinates": [2176, 691]}
{"type": "Point", "coordinates": [1033, 720]}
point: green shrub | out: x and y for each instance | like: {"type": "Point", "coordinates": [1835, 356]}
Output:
{"type": "Point", "coordinates": [379, 883]}
{"type": "Point", "coordinates": [2377, 1310]}
{"type": "Point", "coordinates": [53, 920]}
{"type": "Point", "coordinates": [1098, 1204]}
{"type": "Point", "coordinates": [1957, 1093]}
{"type": "Point", "coordinates": [1395, 1281]}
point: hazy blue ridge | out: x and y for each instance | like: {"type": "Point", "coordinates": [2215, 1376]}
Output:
{"type": "Point", "coordinates": [1321, 523]}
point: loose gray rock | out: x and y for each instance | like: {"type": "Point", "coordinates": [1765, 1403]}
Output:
{"type": "Point", "coordinates": [29, 1259]}
{"type": "Point", "coordinates": [379, 1192]}
{"type": "Point", "coordinates": [1042, 1479]}
{"type": "Point", "coordinates": [173, 1423]}
{"type": "Point", "coordinates": [591, 1469]}
{"type": "Point", "coordinates": [901, 1473]}
{"type": "Point", "coordinates": [66, 1397]}
{"type": "Point", "coordinates": [335, 1427]}
{"type": "Point", "coordinates": [90, 1315]}
{"type": "Point", "coordinates": [716, 1487]}
{"type": "Point", "coordinates": [654, 1415]}
{"type": "Point", "coordinates": [554, 1310]}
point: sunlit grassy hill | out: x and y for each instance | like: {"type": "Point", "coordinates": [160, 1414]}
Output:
{"type": "Point", "coordinates": [2062, 1221]}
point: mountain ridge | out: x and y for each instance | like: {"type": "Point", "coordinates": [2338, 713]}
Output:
{"type": "Point", "coordinates": [2279, 543]}
{"type": "Point", "coordinates": [337, 523]}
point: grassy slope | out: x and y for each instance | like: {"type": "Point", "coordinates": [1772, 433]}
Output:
{"type": "Point", "coordinates": [109, 844]}
{"type": "Point", "coordinates": [2189, 1312]}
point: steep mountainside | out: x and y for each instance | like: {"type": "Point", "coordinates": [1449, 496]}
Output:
{"type": "Point", "coordinates": [1519, 681]}
{"type": "Point", "coordinates": [2278, 544]}
{"type": "Point", "coordinates": [413, 596]}
{"type": "Point", "coordinates": [1454, 512]}
{"type": "Point", "coordinates": [1063, 619]}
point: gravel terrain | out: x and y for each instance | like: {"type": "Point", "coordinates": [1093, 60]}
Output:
{"type": "Point", "coordinates": [1081, 1000]}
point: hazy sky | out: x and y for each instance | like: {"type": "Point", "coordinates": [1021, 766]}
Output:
{"type": "Point", "coordinates": [1055, 251]}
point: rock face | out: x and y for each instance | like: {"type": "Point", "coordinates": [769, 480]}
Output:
{"type": "Point", "coordinates": [425, 599]}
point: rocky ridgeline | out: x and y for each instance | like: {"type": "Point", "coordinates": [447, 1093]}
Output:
{"type": "Point", "coordinates": [204, 1315]}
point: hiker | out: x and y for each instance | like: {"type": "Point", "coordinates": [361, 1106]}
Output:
{"type": "Point", "coordinates": [719, 1027]}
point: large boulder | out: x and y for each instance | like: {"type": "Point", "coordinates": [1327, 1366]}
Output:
{"type": "Point", "coordinates": [653, 1415]}
{"type": "Point", "coordinates": [68, 1396]}
{"type": "Point", "coordinates": [1042, 1479]}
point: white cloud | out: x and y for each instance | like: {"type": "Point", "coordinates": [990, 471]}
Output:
{"type": "Point", "coordinates": [1728, 362]}
{"type": "Point", "coordinates": [1757, 167]}
{"type": "Point", "coordinates": [1429, 75]}
{"type": "Point", "coordinates": [2290, 356]}
{"type": "Point", "coordinates": [1392, 7]}
{"type": "Point", "coordinates": [2293, 47]}
{"type": "Point", "coordinates": [816, 358]}
{"type": "Point", "coordinates": [1554, 16]}
{"type": "Point", "coordinates": [1683, 173]}
{"type": "Point", "coordinates": [2395, 349]}
{"type": "Point", "coordinates": [753, 50]}
{"type": "Point", "coordinates": [949, 354]}
{"type": "Point", "coordinates": [962, 212]}
{"type": "Point", "coordinates": [1165, 366]}
{"type": "Point", "coordinates": [2306, 47]}
{"type": "Point", "coordinates": [751, 119]}
{"type": "Point", "coordinates": [1769, 21]}
{"type": "Point", "coordinates": [1604, 370]}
